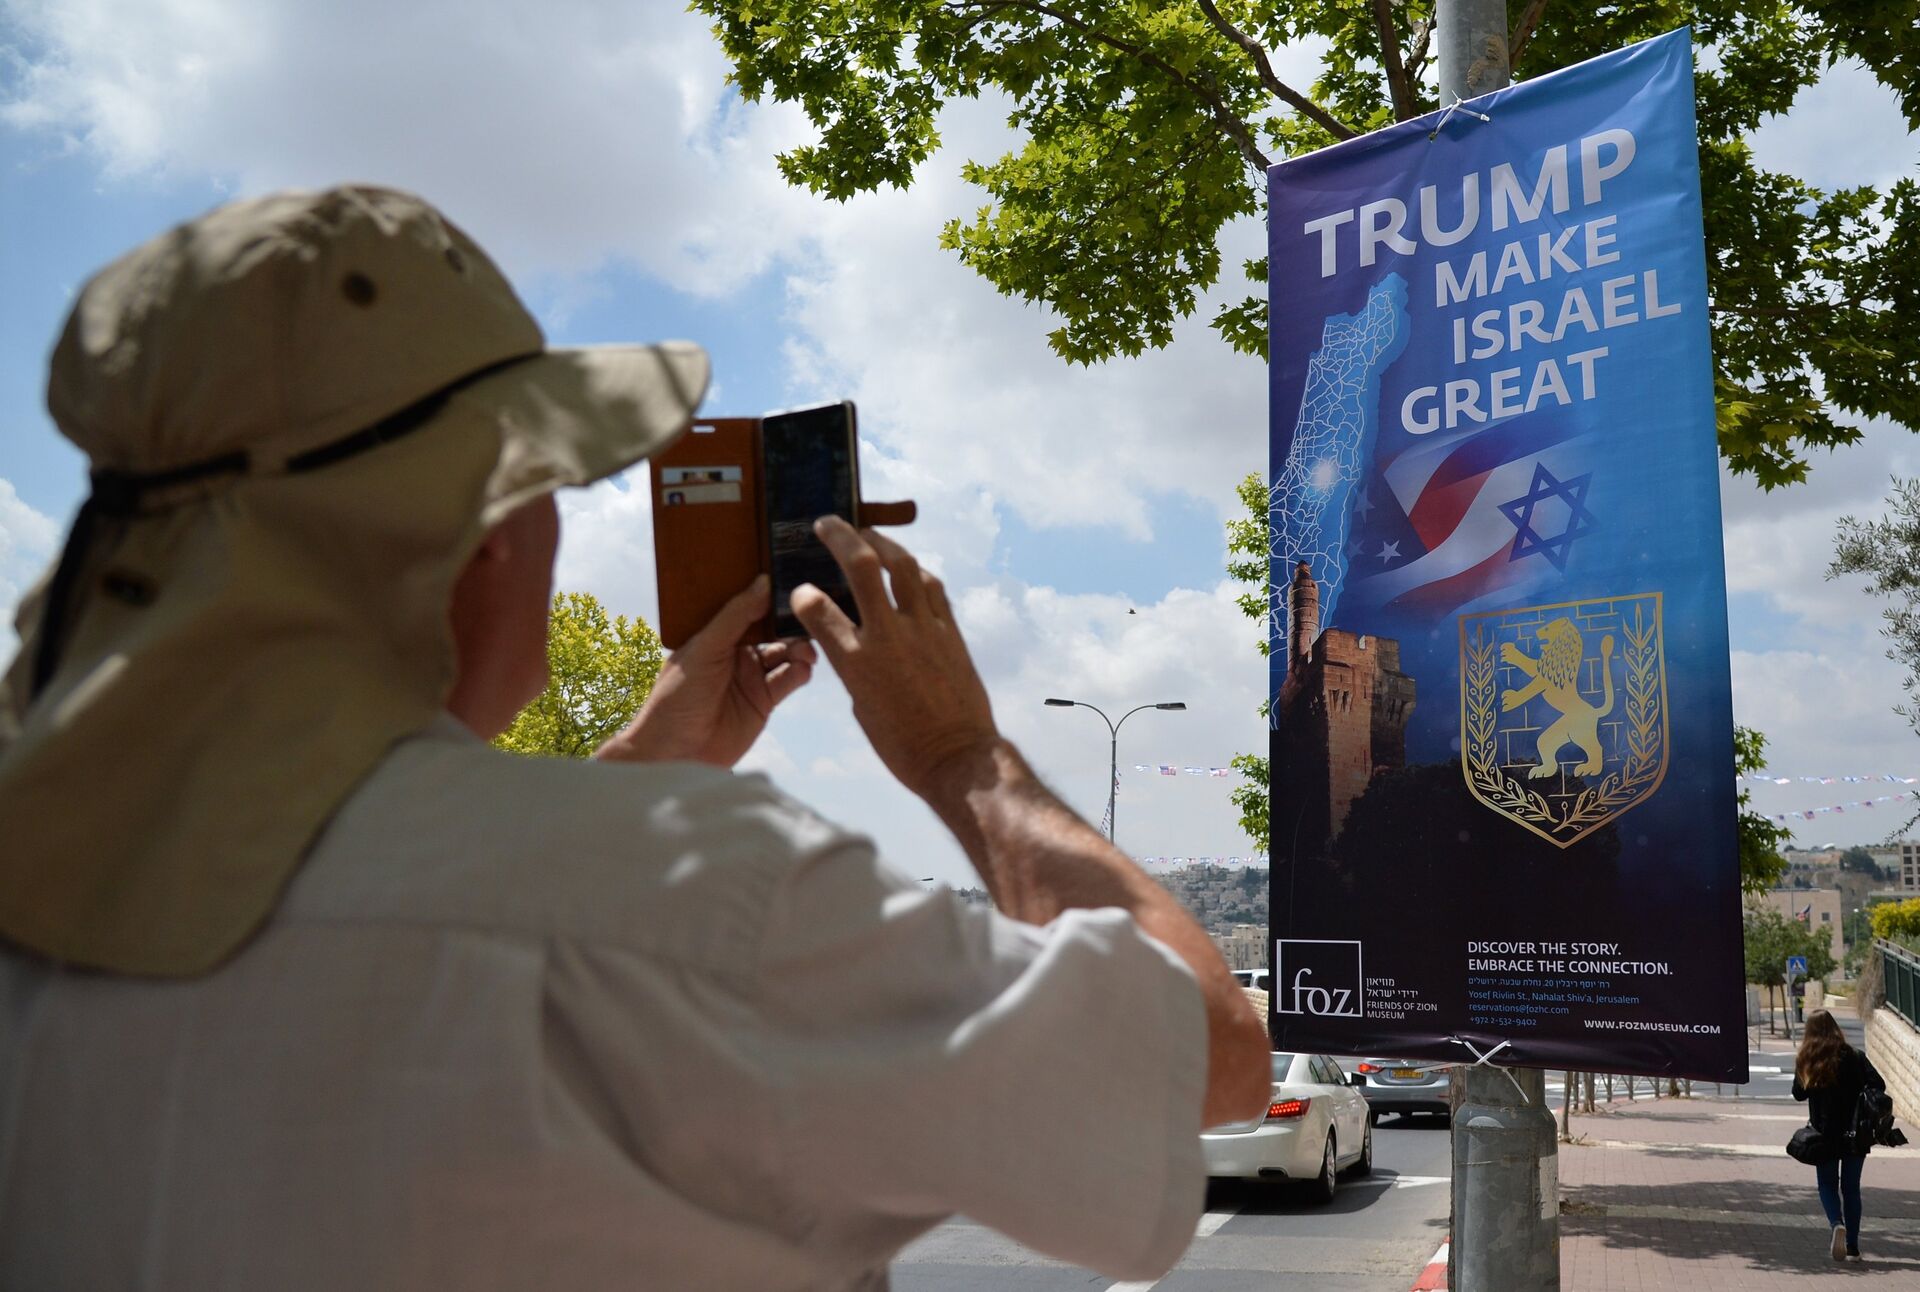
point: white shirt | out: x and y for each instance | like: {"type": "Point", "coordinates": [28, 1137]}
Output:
{"type": "Point", "coordinates": [527, 1023]}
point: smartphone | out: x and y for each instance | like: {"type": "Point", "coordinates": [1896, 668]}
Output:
{"type": "Point", "coordinates": [812, 470]}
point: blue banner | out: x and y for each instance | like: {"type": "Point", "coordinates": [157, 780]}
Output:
{"type": "Point", "coordinates": [1503, 792]}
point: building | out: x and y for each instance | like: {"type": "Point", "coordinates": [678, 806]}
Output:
{"type": "Point", "coordinates": [1909, 866]}
{"type": "Point", "coordinates": [1343, 714]}
{"type": "Point", "coordinates": [1818, 908]}
{"type": "Point", "coordinates": [1244, 946]}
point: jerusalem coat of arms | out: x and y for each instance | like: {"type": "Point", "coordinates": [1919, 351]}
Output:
{"type": "Point", "coordinates": [1563, 711]}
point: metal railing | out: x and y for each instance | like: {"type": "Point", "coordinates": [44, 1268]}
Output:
{"type": "Point", "coordinates": [1902, 969]}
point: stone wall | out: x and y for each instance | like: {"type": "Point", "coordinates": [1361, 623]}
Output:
{"type": "Point", "coordinates": [1894, 1047]}
{"type": "Point", "coordinates": [1349, 673]}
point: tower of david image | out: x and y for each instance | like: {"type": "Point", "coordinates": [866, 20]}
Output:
{"type": "Point", "coordinates": [1342, 718]}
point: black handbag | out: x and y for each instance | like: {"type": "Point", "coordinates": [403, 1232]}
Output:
{"type": "Point", "coordinates": [1810, 1146]}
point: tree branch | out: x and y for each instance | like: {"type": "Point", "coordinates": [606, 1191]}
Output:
{"type": "Point", "coordinates": [1417, 58]}
{"type": "Point", "coordinates": [1524, 32]}
{"type": "Point", "coordinates": [1788, 311]}
{"type": "Point", "coordinates": [1306, 107]}
{"type": "Point", "coordinates": [1390, 59]}
{"type": "Point", "coordinates": [1223, 116]}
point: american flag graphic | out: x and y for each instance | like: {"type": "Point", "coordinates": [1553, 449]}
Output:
{"type": "Point", "coordinates": [1472, 520]}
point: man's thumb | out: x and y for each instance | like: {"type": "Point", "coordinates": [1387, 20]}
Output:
{"type": "Point", "coordinates": [731, 622]}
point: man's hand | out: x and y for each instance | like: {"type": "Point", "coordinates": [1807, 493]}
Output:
{"type": "Point", "coordinates": [921, 703]}
{"type": "Point", "coordinates": [915, 691]}
{"type": "Point", "coordinates": [714, 694]}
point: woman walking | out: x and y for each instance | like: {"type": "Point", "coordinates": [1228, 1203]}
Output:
{"type": "Point", "coordinates": [1830, 1074]}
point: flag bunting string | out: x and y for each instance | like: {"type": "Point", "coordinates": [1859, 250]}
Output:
{"type": "Point", "coordinates": [1764, 778]}
{"type": "Point", "coordinates": [1808, 814]}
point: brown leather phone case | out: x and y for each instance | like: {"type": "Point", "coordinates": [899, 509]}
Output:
{"type": "Point", "coordinates": [709, 523]}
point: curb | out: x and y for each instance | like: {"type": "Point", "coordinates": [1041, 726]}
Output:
{"type": "Point", "coordinates": [1434, 1277]}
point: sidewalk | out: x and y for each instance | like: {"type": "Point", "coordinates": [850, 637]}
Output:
{"type": "Point", "coordinates": [1699, 1194]}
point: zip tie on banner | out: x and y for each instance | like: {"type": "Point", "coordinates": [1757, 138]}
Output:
{"type": "Point", "coordinates": [1456, 106]}
{"type": "Point", "coordinates": [1482, 1060]}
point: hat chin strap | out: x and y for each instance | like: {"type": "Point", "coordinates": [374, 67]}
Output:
{"type": "Point", "coordinates": [118, 494]}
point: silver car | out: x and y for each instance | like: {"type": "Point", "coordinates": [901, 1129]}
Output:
{"type": "Point", "coordinates": [1404, 1086]}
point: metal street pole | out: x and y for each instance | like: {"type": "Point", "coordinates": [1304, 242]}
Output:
{"type": "Point", "coordinates": [1470, 44]}
{"type": "Point", "coordinates": [1113, 744]}
{"type": "Point", "coordinates": [1506, 1191]}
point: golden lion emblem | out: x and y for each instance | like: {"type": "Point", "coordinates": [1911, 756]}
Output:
{"type": "Point", "coordinates": [1511, 764]}
{"type": "Point", "coordinates": [1555, 677]}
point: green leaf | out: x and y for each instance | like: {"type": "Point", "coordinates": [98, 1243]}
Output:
{"type": "Point", "coordinates": [1135, 119]}
{"type": "Point", "coordinates": [599, 672]}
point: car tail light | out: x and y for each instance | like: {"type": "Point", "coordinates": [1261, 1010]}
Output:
{"type": "Point", "coordinates": [1283, 1109]}
{"type": "Point", "coordinates": [1369, 1067]}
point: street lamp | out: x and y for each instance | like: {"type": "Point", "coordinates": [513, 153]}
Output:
{"type": "Point", "coordinates": [1113, 744]}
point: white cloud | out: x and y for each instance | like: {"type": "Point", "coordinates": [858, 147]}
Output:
{"type": "Point", "coordinates": [1817, 681]}
{"type": "Point", "coordinates": [1829, 713]}
{"type": "Point", "coordinates": [572, 135]}
{"type": "Point", "coordinates": [958, 380]}
{"type": "Point", "coordinates": [28, 540]}
{"type": "Point", "coordinates": [1031, 643]}
{"type": "Point", "coordinates": [561, 134]}
{"type": "Point", "coordinates": [576, 134]}
{"type": "Point", "coordinates": [1192, 646]}
{"type": "Point", "coordinates": [1844, 130]}
{"type": "Point", "coordinates": [1780, 543]}
{"type": "Point", "coordinates": [606, 544]}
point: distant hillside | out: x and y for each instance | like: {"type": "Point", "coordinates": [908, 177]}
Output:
{"type": "Point", "coordinates": [1218, 897]}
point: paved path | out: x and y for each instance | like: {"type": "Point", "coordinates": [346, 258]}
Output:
{"type": "Point", "coordinates": [1699, 1194]}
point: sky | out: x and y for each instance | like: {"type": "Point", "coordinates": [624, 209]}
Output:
{"type": "Point", "coordinates": [1077, 514]}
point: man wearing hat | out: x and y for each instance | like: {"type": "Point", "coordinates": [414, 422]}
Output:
{"type": "Point", "coordinates": [303, 985]}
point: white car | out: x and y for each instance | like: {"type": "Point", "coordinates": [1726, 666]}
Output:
{"type": "Point", "coordinates": [1315, 1126]}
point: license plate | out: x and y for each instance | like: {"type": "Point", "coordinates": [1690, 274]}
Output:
{"type": "Point", "coordinates": [1408, 1072]}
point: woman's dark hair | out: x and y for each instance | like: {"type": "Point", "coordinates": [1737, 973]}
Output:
{"type": "Point", "coordinates": [1820, 1052]}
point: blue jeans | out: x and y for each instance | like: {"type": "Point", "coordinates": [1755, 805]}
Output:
{"type": "Point", "coordinates": [1840, 1183]}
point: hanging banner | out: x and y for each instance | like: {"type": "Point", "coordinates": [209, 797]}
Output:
{"type": "Point", "coordinates": [1504, 800]}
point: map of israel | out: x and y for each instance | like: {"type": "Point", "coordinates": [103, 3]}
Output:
{"type": "Point", "coordinates": [1314, 491]}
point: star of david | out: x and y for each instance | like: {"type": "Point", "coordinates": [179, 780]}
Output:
{"type": "Point", "coordinates": [1520, 511]}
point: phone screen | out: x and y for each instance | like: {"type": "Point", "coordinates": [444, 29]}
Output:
{"type": "Point", "coordinates": [810, 473]}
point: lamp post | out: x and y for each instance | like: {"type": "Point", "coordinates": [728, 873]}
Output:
{"type": "Point", "coordinates": [1113, 742]}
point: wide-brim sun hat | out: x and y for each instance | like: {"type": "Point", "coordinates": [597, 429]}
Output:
{"type": "Point", "coordinates": [302, 412]}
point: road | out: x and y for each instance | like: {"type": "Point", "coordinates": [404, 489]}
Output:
{"type": "Point", "coordinates": [1376, 1235]}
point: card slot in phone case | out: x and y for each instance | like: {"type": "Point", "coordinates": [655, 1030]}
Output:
{"type": "Point", "coordinates": [706, 548]}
